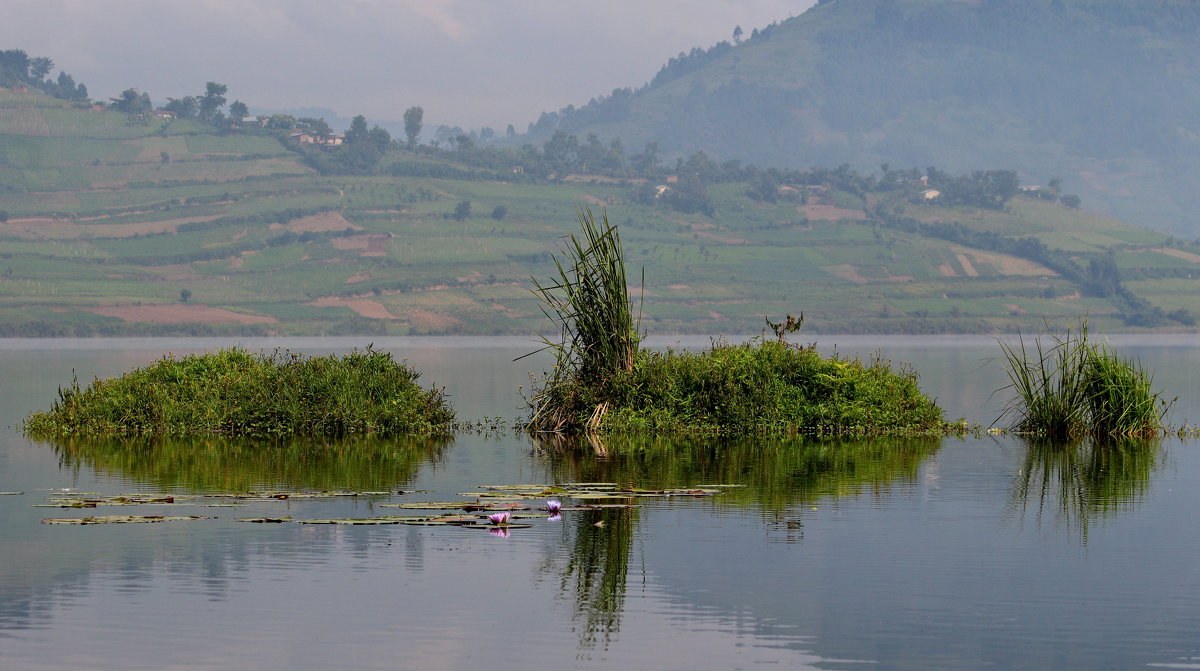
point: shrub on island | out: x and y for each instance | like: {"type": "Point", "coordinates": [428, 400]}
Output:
{"type": "Point", "coordinates": [237, 393]}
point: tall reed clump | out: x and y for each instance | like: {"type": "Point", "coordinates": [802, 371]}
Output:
{"type": "Point", "coordinates": [1075, 387]}
{"type": "Point", "coordinates": [588, 299]}
{"type": "Point", "coordinates": [235, 393]}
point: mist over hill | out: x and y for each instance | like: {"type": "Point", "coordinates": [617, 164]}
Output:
{"type": "Point", "coordinates": [1101, 93]}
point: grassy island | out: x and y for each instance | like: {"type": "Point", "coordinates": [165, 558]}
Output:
{"type": "Point", "coordinates": [237, 393]}
{"type": "Point", "coordinates": [1074, 387]}
{"type": "Point", "coordinates": [603, 382]}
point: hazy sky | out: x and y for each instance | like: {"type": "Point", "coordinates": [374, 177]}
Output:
{"type": "Point", "coordinates": [471, 63]}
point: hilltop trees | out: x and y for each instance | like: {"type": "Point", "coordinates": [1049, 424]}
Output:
{"type": "Point", "coordinates": [184, 108]}
{"type": "Point", "coordinates": [18, 69]}
{"type": "Point", "coordinates": [238, 111]}
{"type": "Point", "coordinates": [212, 102]}
{"type": "Point", "coordinates": [413, 118]}
{"type": "Point", "coordinates": [132, 102]}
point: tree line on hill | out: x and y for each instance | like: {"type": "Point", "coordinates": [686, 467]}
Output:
{"type": "Point", "coordinates": [18, 69]}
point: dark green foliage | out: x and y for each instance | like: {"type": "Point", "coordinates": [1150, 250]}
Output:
{"type": "Point", "coordinates": [236, 393]}
{"type": "Point", "coordinates": [763, 386]}
{"type": "Point", "coordinates": [413, 117]}
{"type": "Point", "coordinates": [1075, 387]}
{"type": "Point", "coordinates": [462, 210]}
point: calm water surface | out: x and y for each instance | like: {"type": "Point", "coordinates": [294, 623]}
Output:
{"type": "Point", "coordinates": [921, 554]}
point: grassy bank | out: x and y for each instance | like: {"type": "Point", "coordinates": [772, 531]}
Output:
{"type": "Point", "coordinates": [602, 382]}
{"type": "Point", "coordinates": [236, 393]}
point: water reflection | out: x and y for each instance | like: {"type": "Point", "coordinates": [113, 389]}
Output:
{"type": "Point", "coordinates": [777, 476]}
{"type": "Point", "coordinates": [1085, 480]}
{"type": "Point", "coordinates": [228, 465]}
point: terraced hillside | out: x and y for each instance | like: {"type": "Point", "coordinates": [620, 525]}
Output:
{"type": "Point", "coordinates": [113, 226]}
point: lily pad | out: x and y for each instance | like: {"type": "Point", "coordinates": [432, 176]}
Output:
{"type": "Point", "coordinates": [264, 520]}
{"type": "Point", "coordinates": [11, 493]}
{"type": "Point", "coordinates": [355, 520]}
{"type": "Point", "coordinates": [431, 505]}
{"type": "Point", "coordinates": [498, 526]}
{"type": "Point", "coordinates": [118, 519]}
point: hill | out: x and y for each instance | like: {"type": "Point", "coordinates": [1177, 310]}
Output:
{"type": "Point", "coordinates": [116, 224]}
{"type": "Point", "coordinates": [1098, 92]}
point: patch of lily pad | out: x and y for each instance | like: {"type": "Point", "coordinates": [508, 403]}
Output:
{"type": "Point", "coordinates": [507, 508]}
{"type": "Point", "coordinates": [119, 519]}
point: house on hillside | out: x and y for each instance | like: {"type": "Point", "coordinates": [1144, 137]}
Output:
{"type": "Point", "coordinates": [931, 194]}
{"type": "Point", "coordinates": [163, 114]}
{"type": "Point", "coordinates": [317, 140]}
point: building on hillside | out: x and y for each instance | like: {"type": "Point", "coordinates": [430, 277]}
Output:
{"type": "Point", "coordinates": [931, 194]}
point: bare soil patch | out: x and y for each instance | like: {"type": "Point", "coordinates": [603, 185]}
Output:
{"type": "Point", "coordinates": [179, 313]}
{"type": "Point", "coordinates": [723, 239]}
{"type": "Point", "coordinates": [365, 245]}
{"type": "Point", "coordinates": [1007, 265]}
{"type": "Point", "coordinates": [966, 266]}
{"type": "Point", "coordinates": [431, 320]}
{"type": "Point", "coordinates": [1180, 254]}
{"type": "Point", "coordinates": [318, 223]}
{"type": "Point", "coordinates": [828, 213]}
{"type": "Point", "coordinates": [364, 307]}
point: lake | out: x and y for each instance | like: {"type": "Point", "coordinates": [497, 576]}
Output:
{"type": "Point", "coordinates": [979, 552]}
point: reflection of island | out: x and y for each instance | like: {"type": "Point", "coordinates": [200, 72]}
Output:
{"type": "Point", "coordinates": [773, 474]}
{"type": "Point", "coordinates": [39, 566]}
{"type": "Point", "coordinates": [1085, 479]}
{"type": "Point", "coordinates": [225, 465]}
{"type": "Point", "coordinates": [778, 476]}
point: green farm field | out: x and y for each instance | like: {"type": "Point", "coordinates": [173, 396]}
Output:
{"type": "Point", "coordinates": [118, 227]}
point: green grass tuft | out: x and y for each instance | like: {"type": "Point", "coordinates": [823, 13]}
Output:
{"type": "Point", "coordinates": [1075, 387]}
{"type": "Point", "coordinates": [236, 393]}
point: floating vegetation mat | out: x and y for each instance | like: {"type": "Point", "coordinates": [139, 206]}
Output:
{"type": "Point", "coordinates": [11, 493]}
{"type": "Point", "coordinates": [119, 519]}
{"type": "Point", "coordinates": [583, 490]}
{"type": "Point", "coordinates": [507, 507]}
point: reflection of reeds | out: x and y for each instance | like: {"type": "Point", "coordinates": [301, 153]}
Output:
{"type": "Point", "coordinates": [589, 302]}
{"type": "Point", "coordinates": [1088, 479]}
{"type": "Point", "coordinates": [1075, 387]}
{"type": "Point", "coordinates": [776, 476]}
{"type": "Point", "coordinates": [232, 465]}
{"type": "Point", "coordinates": [597, 571]}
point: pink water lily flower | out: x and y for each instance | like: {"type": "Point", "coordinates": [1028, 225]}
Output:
{"type": "Point", "coordinates": [554, 506]}
{"type": "Point", "coordinates": [498, 518]}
